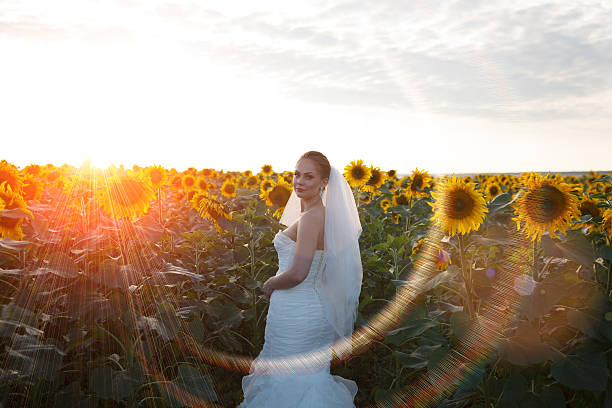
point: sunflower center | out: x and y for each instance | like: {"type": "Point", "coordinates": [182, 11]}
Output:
{"type": "Point", "coordinates": [545, 204]}
{"type": "Point", "coordinates": [358, 173]}
{"type": "Point", "coordinates": [493, 191]}
{"type": "Point", "coordinates": [588, 207]}
{"type": "Point", "coordinates": [375, 178]}
{"type": "Point", "coordinates": [8, 222]}
{"type": "Point", "coordinates": [461, 204]}
{"type": "Point", "coordinates": [417, 183]}
{"type": "Point", "coordinates": [156, 177]}
{"type": "Point", "coordinates": [279, 196]}
{"type": "Point", "coordinates": [401, 200]}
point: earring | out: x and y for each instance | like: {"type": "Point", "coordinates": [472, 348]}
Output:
{"type": "Point", "coordinates": [321, 191]}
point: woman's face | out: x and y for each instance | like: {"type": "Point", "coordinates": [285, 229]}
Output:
{"type": "Point", "coordinates": [307, 181]}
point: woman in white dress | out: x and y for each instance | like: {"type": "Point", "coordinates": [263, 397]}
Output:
{"type": "Point", "coordinates": [313, 296]}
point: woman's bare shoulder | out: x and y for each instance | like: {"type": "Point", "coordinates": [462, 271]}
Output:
{"type": "Point", "coordinates": [315, 216]}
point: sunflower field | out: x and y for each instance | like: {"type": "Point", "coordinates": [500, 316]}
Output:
{"type": "Point", "coordinates": [141, 287]}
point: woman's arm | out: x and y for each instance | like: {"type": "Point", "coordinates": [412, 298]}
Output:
{"type": "Point", "coordinates": [308, 233]}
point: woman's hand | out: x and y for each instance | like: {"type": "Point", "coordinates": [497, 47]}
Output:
{"type": "Point", "coordinates": [268, 287]}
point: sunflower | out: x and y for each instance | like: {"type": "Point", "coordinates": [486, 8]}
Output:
{"type": "Point", "coordinates": [32, 188]}
{"type": "Point", "coordinates": [247, 173]}
{"type": "Point", "coordinates": [287, 176]}
{"type": "Point", "coordinates": [265, 185]}
{"type": "Point", "coordinates": [402, 183]}
{"type": "Point", "coordinates": [418, 182]}
{"type": "Point", "coordinates": [357, 174]}
{"type": "Point", "coordinates": [202, 184]}
{"type": "Point", "coordinates": [396, 217]}
{"type": "Point", "coordinates": [443, 260]}
{"type": "Point", "coordinates": [457, 207]}
{"type": "Point", "coordinates": [77, 187]}
{"type": "Point", "coordinates": [188, 181]}
{"type": "Point", "coordinates": [52, 175]}
{"type": "Point", "coordinates": [400, 198]}
{"type": "Point", "coordinates": [391, 174]}
{"type": "Point", "coordinates": [206, 172]}
{"type": "Point", "coordinates": [176, 181]}
{"type": "Point", "coordinates": [33, 169]}
{"type": "Point", "coordinates": [191, 193]}
{"type": "Point", "coordinates": [266, 170]}
{"type": "Point", "coordinates": [10, 227]}
{"type": "Point", "coordinates": [385, 204]}
{"type": "Point", "coordinates": [157, 174]}
{"type": "Point", "coordinates": [417, 246]}
{"type": "Point", "coordinates": [588, 206]}
{"type": "Point", "coordinates": [10, 174]}
{"type": "Point", "coordinates": [545, 205]}
{"type": "Point", "coordinates": [228, 189]}
{"type": "Point", "coordinates": [209, 207]}
{"type": "Point", "coordinates": [492, 190]}
{"type": "Point", "coordinates": [377, 178]}
{"type": "Point", "coordinates": [126, 194]}
{"type": "Point", "coordinates": [278, 195]}
{"type": "Point", "coordinates": [195, 200]}
{"type": "Point", "coordinates": [251, 181]}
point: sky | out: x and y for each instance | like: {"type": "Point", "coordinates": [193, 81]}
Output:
{"type": "Point", "coordinates": [447, 86]}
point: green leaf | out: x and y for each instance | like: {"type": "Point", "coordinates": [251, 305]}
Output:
{"type": "Point", "coordinates": [13, 245]}
{"type": "Point", "coordinates": [473, 378]}
{"type": "Point", "coordinates": [515, 388]}
{"type": "Point", "coordinates": [553, 396]}
{"type": "Point", "coordinates": [410, 329]}
{"type": "Point", "coordinates": [107, 383]}
{"type": "Point", "coordinates": [60, 265]}
{"type": "Point", "coordinates": [71, 397]}
{"type": "Point", "coordinates": [606, 252]}
{"type": "Point", "coordinates": [460, 322]}
{"type": "Point", "coordinates": [188, 389]}
{"type": "Point", "coordinates": [545, 295]}
{"type": "Point", "coordinates": [587, 370]}
{"type": "Point", "coordinates": [576, 248]}
{"type": "Point", "coordinates": [229, 315]}
{"type": "Point", "coordinates": [436, 356]}
{"type": "Point", "coordinates": [525, 347]}
{"type": "Point", "coordinates": [585, 322]}
{"type": "Point", "coordinates": [417, 359]}
{"type": "Point", "coordinates": [101, 382]}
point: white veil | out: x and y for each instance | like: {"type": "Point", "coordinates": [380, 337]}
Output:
{"type": "Point", "coordinates": [341, 279]}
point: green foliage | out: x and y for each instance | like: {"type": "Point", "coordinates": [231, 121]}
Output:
{"type": "Point", "coordinates": [121, 314]}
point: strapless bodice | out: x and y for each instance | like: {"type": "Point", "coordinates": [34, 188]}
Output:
{"type": "Point", "coordinates": [285, 247]}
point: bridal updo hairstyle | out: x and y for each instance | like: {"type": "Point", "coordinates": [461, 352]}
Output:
{"type": "Point", "coordinates": [320, 161]}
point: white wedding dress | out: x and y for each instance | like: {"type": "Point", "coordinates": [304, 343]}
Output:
{"type": "Point", "coordinates": [296, 328]}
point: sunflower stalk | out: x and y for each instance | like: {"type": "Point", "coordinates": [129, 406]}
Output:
{"type": "Point", "coordinates": [159, 203]}
{"type": "Point", "coordinates": [609, 275]}
{"type": "Point", "coordinates": [466, 278]}
{"type": "Point", "coordinates": [535, 261]}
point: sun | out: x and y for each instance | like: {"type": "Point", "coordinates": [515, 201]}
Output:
{"type": "Point", "coordinates": [100, 161]}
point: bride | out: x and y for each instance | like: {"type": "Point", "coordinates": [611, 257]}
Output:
{"type": "Point", "coordinates": [313, 296]}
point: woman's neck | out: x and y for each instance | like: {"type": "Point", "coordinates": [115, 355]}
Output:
{"type": "Point", "coordinates": [307, 205]}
